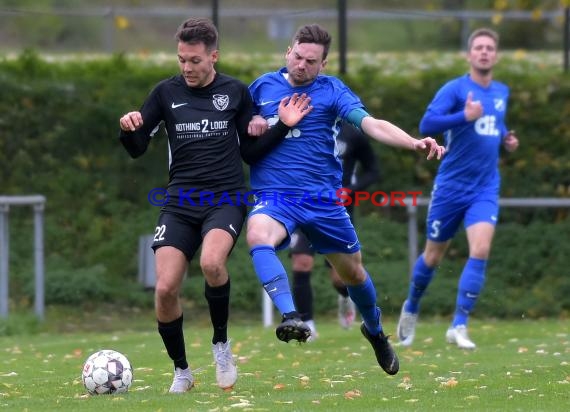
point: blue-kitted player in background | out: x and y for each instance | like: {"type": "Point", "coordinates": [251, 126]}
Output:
{"type": "Point", "coordinates": [470, 111]}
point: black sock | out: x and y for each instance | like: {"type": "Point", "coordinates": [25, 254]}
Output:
{"type": "Point", "coordinates": [173, 338]}
{"type": "Point", "coordinates": [342, 290]}
{"type": "Point", "coordinates": [218, 299]}
{"type": "Point", "coordinates": [303, 294]}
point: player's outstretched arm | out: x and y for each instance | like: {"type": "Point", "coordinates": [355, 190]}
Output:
{"type": "Point", "coordinates": [390, 134]}
{"type": "Point", "coordinates": [429, 145]}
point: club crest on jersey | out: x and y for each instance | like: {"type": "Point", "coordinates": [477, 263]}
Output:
{"type": "Point", "coordinates": [221, 101]}
{"type": "Point", "coordinates": [499, 105]}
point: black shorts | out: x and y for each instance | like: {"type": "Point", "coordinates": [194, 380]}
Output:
{"type": "Point", "coordinates": [300, 244]}
{"type": "Point", "coordinates": [186, 231]}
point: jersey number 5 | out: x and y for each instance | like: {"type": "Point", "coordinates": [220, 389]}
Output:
{"type": "Point", "coordinates": [435, 229]}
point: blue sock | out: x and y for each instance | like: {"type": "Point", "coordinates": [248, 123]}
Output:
{"type": "Point", "coordinates": [273, 277]}
{"type": "Point", "coordinates": [364, 298]}
{"type": "Point", "coordinates": [470, 285]}
{"type": "Point", "coordinates": [421, 278]}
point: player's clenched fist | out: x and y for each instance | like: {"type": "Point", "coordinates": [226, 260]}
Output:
{"type": "Point", "coordinates": [131, 121]}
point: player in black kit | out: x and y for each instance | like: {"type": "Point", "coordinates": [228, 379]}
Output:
{"type": "Point", "coordinates": [206, 116]}
{"type": "Point", "coordinates": [359, 170]}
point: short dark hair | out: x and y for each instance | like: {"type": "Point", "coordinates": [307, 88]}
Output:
{"type": "Point", "coordinates": [198, 30]}
{"type": "Point", "coordinates": [483, 31]}
{"type": "Point", "coordinates": [313, 33]}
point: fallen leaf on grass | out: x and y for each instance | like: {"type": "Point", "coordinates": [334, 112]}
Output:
{"type": "Point", "coordinates": [141, 388]}
{"type": "Point", "coordinates": [243, 403]}
{"type": "Point", "coordinates": [355, 393]}
{"type": "Point", "coordinates": [14, 350]}
{"type": "Point", "coordinates": [83, 396]}
{"type": "Point", "coordinates": [406, 383]}
{"type": "Point", "coordinates": [279, 386]}
{"type": "Point", "coordinates": [450, 383]}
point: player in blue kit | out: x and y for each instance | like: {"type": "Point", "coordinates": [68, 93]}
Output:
{"type": "Point", "coordinates": [296, 184]}
{"type": "Point", "coordinates": [359, 170]}
{"type": "Point", "coordinates": [470, 111]}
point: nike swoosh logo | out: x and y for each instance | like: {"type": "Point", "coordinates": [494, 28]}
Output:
{"type": "Point", "coordinates": [351, 245]}
{"type": "Point", "coordinates": [257, 207]}
{"type": "Point", "coordinates": [174, 105]}
{"type": "Point", "coordinates": [232, 228]}
{"type": "Point", "coordinates": [266, 102]}
{"type": "Point", "coordinates": [272, 290]}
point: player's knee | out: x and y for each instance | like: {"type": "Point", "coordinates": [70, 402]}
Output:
{"type": "Point", "coordinates": [302, 262]}
{"type": "Point", "coordinates": [165, 291]}
{"type": "Point", "coordinates": [352, 275]}
{"type": "Point", "coordinates": [214, 272]}
{"type": "Point", "coordinates": [480, 251]}
{"type": "Point", "coordinates": [432, 258]}
{"type": "Point", "coordinates": [256, 236]}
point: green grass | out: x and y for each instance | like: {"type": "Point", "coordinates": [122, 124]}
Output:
{"type": "Point", "coordinates": [518, 366]}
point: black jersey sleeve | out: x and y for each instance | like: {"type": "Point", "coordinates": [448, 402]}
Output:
{"type": "Point", "coordinates": [136, 143]}
{"type": "Point", "coordinates": [361, 152]}
{"type": "Point", "coordinates": [254, 148]}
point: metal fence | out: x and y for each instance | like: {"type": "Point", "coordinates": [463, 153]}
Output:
{"type": "Point", "coordinates": [268, 29]}
{"type": "Point", "coordinates": [412, 206]}
{"type": "Point", "coordinates": [146, 257]}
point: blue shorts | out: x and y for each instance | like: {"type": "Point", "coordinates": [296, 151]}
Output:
{"type": "Point", "coordinates": [448, 208]}
{"type": "Point", "coordinates": [326, 224]}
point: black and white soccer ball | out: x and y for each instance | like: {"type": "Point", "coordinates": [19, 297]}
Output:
{"type": "Point", "coordinates": [107, 371]}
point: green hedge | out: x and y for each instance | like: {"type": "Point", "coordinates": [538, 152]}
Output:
{"type": "Point", "coordinates": [59, 125]}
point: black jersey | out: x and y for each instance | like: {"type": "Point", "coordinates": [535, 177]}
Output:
{"type": "Point", "coordinates": [207, 133]}
{"type": "Point", "coordinates": [359, 164]}
{"type": "Point", "coordinates": [203, 127]}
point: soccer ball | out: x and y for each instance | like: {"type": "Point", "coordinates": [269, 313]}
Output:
{"type": "Point", "coordinates": [107, 371]}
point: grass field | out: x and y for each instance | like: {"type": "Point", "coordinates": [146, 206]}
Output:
{"type": "Point", "coordinates": [518, 366]}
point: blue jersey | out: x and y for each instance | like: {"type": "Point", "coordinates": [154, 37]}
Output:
{"type": "Point", "coordinates": [307, 161]}
{"type": "Point", "coordinates": [471, 162]}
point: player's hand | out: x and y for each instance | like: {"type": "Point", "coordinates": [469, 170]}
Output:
{"type": "Point", "coordinates": [131, 121]}
{"type": "Point", "coordinates": [473, 109]}
{"type": "Point", "coordinates": [429, 145]}
{"type": "Point", "coordinates": [292, 110]}
{"type": "Point", "coordinates": [257, 126]}
{"type": "Point", "coordinates": [511, 142]}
